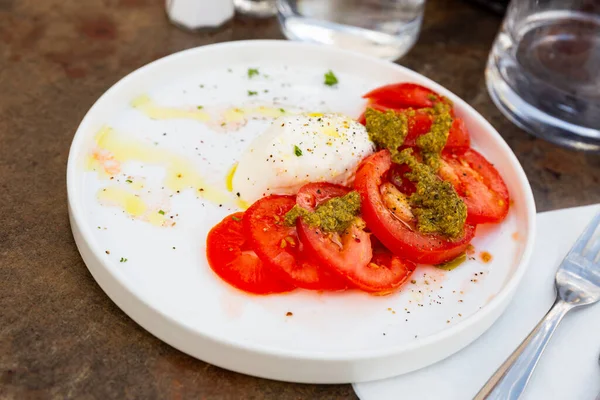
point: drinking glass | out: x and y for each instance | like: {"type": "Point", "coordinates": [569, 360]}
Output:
{"type": "Point", "coordinates": [255, 8]}
{"type": "Point", "coordinates": [543, 71]}
{"type": "Point", "coordinates": [382, 28]}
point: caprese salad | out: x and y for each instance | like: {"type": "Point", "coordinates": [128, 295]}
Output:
{"type": "Point", "coordinates": [339, 203]}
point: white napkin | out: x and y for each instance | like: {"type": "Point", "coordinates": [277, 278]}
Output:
{"type": "Point", "coordinates": [569, 367]}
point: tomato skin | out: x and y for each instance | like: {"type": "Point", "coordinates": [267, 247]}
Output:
{"type": "Point", "coordinates": [394, 234]}
{"type": "Point", "coordinates": [459, 139]}
{"type": "Point", "coordinates": [479, 184]}
{"type": "Point", "coordinates": [312, 194]}
{"type": "Point", "coordinates": [279, 248]}
{"type": "Point", "coordinates": [403, 95]}
{"type": "Point", "coordinates": [230, 257]}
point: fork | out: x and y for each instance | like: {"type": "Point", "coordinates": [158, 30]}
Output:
{"type": "Point", "coordinates": [577, 284]}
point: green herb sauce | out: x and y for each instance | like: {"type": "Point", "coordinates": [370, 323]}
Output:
{"type": "Point", "coordinates": [335, 215]}
{"type": "Point", "coordinates": [435, 203]}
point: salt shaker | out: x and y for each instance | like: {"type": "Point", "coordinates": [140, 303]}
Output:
{"type": "Point", "coordinates": [199, 14]}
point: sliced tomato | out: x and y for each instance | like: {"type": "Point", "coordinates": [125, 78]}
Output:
{"type": "Point", "coordinates": [403, 95]}
{"type": "Point", "coordinates": [351, 255]}
{"type": "Point", "coordinates": [231, 258]}
{"type": "Point", "coordinates": [479, 184]}
{"type": "Point", "coordinates": [397, 235]}
{"type": "Point", "coordinates": [313, 194]}
{"type": "Point", "coordinates": [459, 139]}
{"type": "Point", "coordinates": [279, 248]}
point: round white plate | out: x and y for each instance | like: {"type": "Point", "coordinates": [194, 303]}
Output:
{"type": "Point", "coordinates": [157, 273]}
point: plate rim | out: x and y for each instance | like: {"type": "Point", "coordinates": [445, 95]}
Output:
{"type": "Point", "coordinates": [77, 219]}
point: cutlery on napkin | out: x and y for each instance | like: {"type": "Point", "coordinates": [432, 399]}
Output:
{"type": "Point", "coordinates": [568, 369]}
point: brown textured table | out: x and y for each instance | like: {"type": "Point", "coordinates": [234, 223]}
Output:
{"type": "Point", "coordinates": [60, 335]}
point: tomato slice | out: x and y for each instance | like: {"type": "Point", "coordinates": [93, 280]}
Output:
{"type": "Point", "coordinates": [230, 257]}
{"type": "Point", "coordinates": [353, 255]}
{"type": "Point", "coordinates": [395, 234]}
{"type": "Point", "coordinates": [312, 194]}
{"type": "Point", "coordinates": [479, 184]}
{"type": "Point", "coordinates": [459, 139]}
{"type": "Point", "coordinates": [279, 248]}
{"type": "Point", "coordinates": [403, 95]}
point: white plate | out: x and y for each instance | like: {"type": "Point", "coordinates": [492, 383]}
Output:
{"type": "Point", "coordinates": [166, 285]}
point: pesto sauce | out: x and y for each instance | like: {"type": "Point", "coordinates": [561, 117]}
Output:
{"type": "Point", "coordinates": [435, 203]}
{"type": "Point", "coordinates": [432, 143]}
{"type": "Point", "coordinates": [334, 215]}
{"type": "Point", "coordinates": [387, 129]}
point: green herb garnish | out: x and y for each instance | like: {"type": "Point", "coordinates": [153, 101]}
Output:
{"type": "Point", "coordinates": [161, 212]}
{"type": "Point", "coordinates": [297, 151]}
{"type": "Point", "coordinates": [252, 93]}
{"type": "Point", "coordinates": [200, 107]}
{"type": "Point", "coordinates": [330, 78]}
{"type": "Point", "coordinates": [129, 181]}
{"type": "Point", "coordinates": [252, 72]}
{"type": "Point", "coordinates": [236, 219]}
{"type": "Point", "coordinates": [123, 259]}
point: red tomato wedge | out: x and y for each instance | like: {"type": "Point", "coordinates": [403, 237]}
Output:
{"type": "Point", "coordinates": [479, 184]}
{"type": "Point", "coordinates": [231, 258]}
{"type": "Point", "coordinates": [396, 235]}
{"type": "Point", "coordinates": [403, 95]}
{"type": "Point", "coordinates": [350, 255]}
{"type": "Point", "coordinates": [279, 248]}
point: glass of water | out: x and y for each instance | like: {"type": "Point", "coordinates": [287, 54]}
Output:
{"type": "Point", "coordinates": [544, 70]}
{"type": "Point", "coordinates": [382, 28]}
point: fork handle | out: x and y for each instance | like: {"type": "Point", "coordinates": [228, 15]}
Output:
{"type": "Point", "coordinates": [509, 381]}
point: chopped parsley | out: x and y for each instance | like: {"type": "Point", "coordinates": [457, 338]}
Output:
{"type": "Point", "coordinates": [200, 107]}
{"type": "Point", "coordinates": [252, 93]}
{"type": "Point", "coordinates": [236, 219]}
{"type": "Point", "coordinates": [330, 78]}
{"type": "Point", "coordinates": [123, 259]}
{"type": "Point", "coordinates": [297, 151]}
{"type": "Point", "coordinates": [161, 212]}
{"type": "Point", "coordinates": [129, 181]}
{"type": "Point", "coordinates": [281, 110]}
{"type": "Point", "coordinates": [252, 72]}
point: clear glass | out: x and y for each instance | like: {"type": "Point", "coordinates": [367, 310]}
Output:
{"type": "Point", "coordinates": [543, 71]}
{"type": "Point", "coordinates": [256, 8]}
{"type": "Point", "coordinates": [382, 28]}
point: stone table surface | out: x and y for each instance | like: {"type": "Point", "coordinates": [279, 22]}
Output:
{"type": "Point", "coordinates": [60, 335]}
